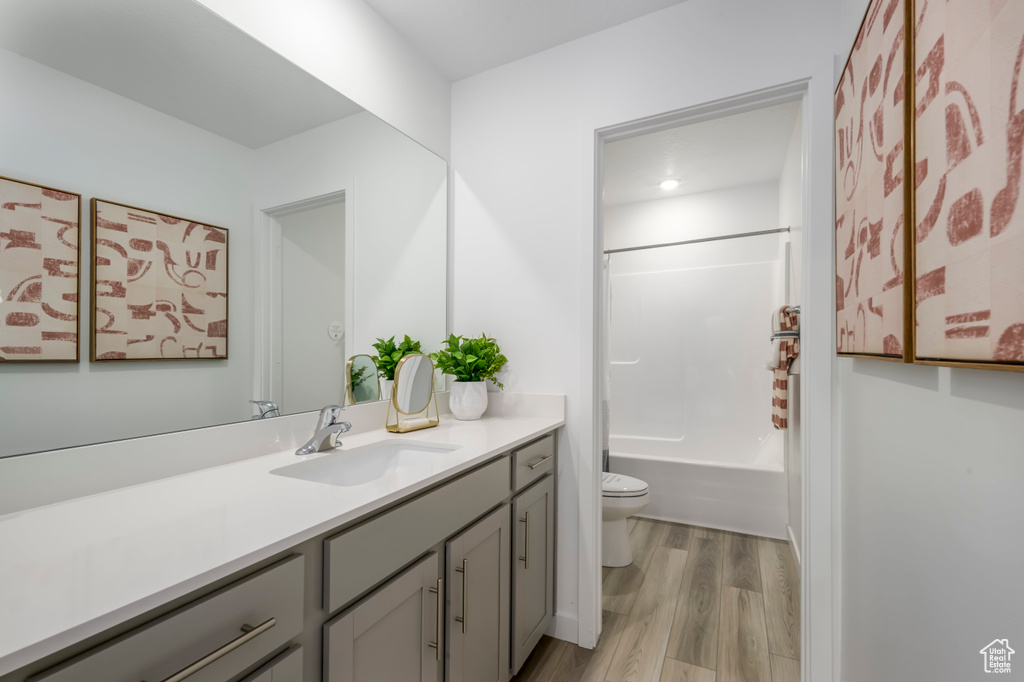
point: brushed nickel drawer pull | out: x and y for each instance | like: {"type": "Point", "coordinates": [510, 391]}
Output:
{"type": "Point", "coordinates": [465, 579]}
{"type": "Point", "coordinates": [539, 462]}
{"type": "Point", "coordinates": [249, 633]}
{"type": "Point", "coordinates": [438, 645]}
{"type": "Point", "coordinates": [526, 542]}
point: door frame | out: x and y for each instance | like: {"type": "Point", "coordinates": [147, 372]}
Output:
{"type": "Point", "coordinates": [267, 384]}
{"type": "Point", "coordinates": [819, 483]}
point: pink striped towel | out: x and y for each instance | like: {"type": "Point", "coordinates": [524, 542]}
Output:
{"type": "Point", "coordinates": [789, 350]}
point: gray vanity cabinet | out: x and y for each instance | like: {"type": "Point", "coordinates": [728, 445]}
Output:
{"type": "Point", "coordinates": [478, 579]}
{"type": "Point", "coordinates": [453, 584]}
{"type": "Point", "coordinates": [533, 584]}
{"type": "Point", "coordinates": [210, 640]}
{"type": "Point", "coordinates": [393, 634]}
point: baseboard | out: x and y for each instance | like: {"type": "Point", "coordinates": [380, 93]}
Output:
{"type": "Point", "coordinates": [565, 627]}
{"type": "Point", "coordinates": [700, 524]}
{"type": "Point", "coordinates": [793, 545]}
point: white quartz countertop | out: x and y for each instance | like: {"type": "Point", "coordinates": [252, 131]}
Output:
{"type": "Point", "coordinates": [76, 568]}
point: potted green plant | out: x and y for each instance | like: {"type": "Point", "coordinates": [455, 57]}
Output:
{"type": "Point", "coordinates": [472, 361]}
{"type": "Point", "coordinates": [387, 357]}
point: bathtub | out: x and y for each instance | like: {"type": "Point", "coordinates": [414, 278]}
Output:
{"type": "Point", "coordinates": [730, 481]}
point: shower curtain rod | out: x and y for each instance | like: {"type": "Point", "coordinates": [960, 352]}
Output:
{"type": "Point", "coordinates": [697, 241]}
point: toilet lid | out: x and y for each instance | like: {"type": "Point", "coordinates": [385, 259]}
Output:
{"type": "Point", "coordinates": [617, 485]}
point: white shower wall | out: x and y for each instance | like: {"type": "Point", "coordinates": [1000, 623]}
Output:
{"type": "Point", "coordinates": [689, 335]}
{"type": "Point", "coordinates": [689, 338]}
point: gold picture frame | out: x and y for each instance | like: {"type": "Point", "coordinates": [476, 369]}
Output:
{"type": "Point", "coordinates": [159, 283]}
{"type": "Point", "coordinates": [873, 186]}
{"type": "Point", "coordinates": [963, 222]}
{"type": "Point", "coordinates": [40, 251]}
{"type": "Point", "coordinates": [968, 254]}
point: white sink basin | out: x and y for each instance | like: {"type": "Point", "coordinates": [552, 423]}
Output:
{"type": "Point", "coordinates": [387, 459]}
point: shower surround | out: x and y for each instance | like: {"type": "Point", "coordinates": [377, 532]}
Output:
{"type": "Point", "coordinates": [690, 395]}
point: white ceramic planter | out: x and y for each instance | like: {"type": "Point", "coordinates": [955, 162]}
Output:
{"type": "Point", "coordinates": [468, 399]}
{"type": "Point", "coordinates": [385, 388]}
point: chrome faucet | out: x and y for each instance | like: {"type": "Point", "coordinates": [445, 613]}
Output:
{"type": "Point", "coordinates": [327, 427]}
{"type": "Point", "coordinates": [267, 409]}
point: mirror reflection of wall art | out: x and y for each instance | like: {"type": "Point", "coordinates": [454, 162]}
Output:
{"type": "Point", "coordinates": [362, 382]}
{"type": "Point", "coordinates": [412, 395]}
{"type": "Point", "coordinates": [969, 257]}
{"type": "Point", "coordinates": [870, 193]}
{"type": "Point", "coordinates": [39, 273]}
{"type": "Point", "coordinates": [160, 286]}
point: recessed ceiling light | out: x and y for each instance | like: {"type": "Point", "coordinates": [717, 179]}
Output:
{"type": "Point", "coordinates": [669, 184]}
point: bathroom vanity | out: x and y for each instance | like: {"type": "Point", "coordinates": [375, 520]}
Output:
{"type": "Point", "coordinates": [255, 571]}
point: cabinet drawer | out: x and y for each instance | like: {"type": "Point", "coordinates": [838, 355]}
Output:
{"type": "Point", "coordinates": [362, 557]}
{"type": "Point", "coordinates": [214, 630]}
{"type": "Point", "coordinates": [285, 668]}
{"type": "Point", "coordinates": [533, 461]}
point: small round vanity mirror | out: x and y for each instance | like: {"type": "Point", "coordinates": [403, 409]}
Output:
{"type": "Point", "coordinates": [363, 385]}
{"type": "Point", "coordinates": [414, 384]}
{"type": "Point", "coordinates": [412, 395]}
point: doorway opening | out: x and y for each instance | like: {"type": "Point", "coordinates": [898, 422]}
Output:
{"type": "Point", "coordinates": [307, 288]}
{"type": "Point", "coordinates": [699, 219]}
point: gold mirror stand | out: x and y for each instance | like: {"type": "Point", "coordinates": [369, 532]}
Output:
{"type": "Point", "coordinates": [411, 422]}
{"type": "Point", "coordinates": [350, 388]}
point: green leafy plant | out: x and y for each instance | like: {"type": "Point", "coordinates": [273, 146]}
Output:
{"type": "Point", "coordinates": [360, 375]}
{"type": "Point", "coordinates": [389, 353]}
{"type": "Point", "coordinates": [470, 359]}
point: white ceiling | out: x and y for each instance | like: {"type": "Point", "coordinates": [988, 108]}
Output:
{"type": "Point", "coordinates": [741, 149]}
{"type": "Point", "coordinates": [465, 37]}
{"type": "Point", "coordinates": [176, 57]}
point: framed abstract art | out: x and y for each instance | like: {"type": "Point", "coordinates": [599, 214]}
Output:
{"type": "Point", "coordinates": [969, 237]}
{"type": "Point", "coordinates": [159, 286]}
{"type": "Point", "coordinates": [929, 149]}
{"type": "Point", "coordinates": [39, 273]}
{"type": "Point", "coordinates": [871, 191]}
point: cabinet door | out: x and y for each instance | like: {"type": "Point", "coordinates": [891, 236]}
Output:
{"type": "Point", "coordinates": [393, 633]}
{"type": "Point", "coordinates": [478, 579]}
{"type": "Point", "coordinates": [533, 602]}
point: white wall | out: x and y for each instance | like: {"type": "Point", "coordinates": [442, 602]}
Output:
{"type": "Point", "coordinates": [710, 303]}
{"type": "Point", "coordinates": [791, 204]}
{"type": "Point", "coordinates": [932, 497]}
{"type": "Point", "coordinates": [350, 47]}
{"type": "Point", "coordinates": [59, 131]}
{"type": "Point", "coordinates": [747, 208]}
{"type": "Point", "coordinates": [312, 297]}
{"type": "Point", "coordinates": [523, 139]}
{"type": "Point", "coordinates": [398, 191]}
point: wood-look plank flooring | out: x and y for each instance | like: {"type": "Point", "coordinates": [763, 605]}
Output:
{"type": "Point", "coordinates": [696, 605]}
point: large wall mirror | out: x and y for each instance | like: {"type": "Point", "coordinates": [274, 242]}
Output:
{"type": "Point", "coordinates": [337, 222]}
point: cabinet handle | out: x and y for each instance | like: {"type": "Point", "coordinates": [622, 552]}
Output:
{"type": "Point", "coordinates": [539, 462]}
{"type": "Point", "coordinates": [464, 570]}
{"type": "Point", "coordinates": [250, 633]}
{"type": "Point", "coordinates": [438, 645]}
{"type": "Point", "coordinates": [526, 542]}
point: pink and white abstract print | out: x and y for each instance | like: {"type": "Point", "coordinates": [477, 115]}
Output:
{"type": "Point", "coordinates": [160, 286]}
{"type": "Point", "coordinates": [870, 137]}
{"type": "Point", "coordinates": [970, 219]}
{"type": "Point", "coordinates": [39, 273]}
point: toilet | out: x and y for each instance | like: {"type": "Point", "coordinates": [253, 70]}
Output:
{"type": "Point", "coordinates": [621, 497]}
